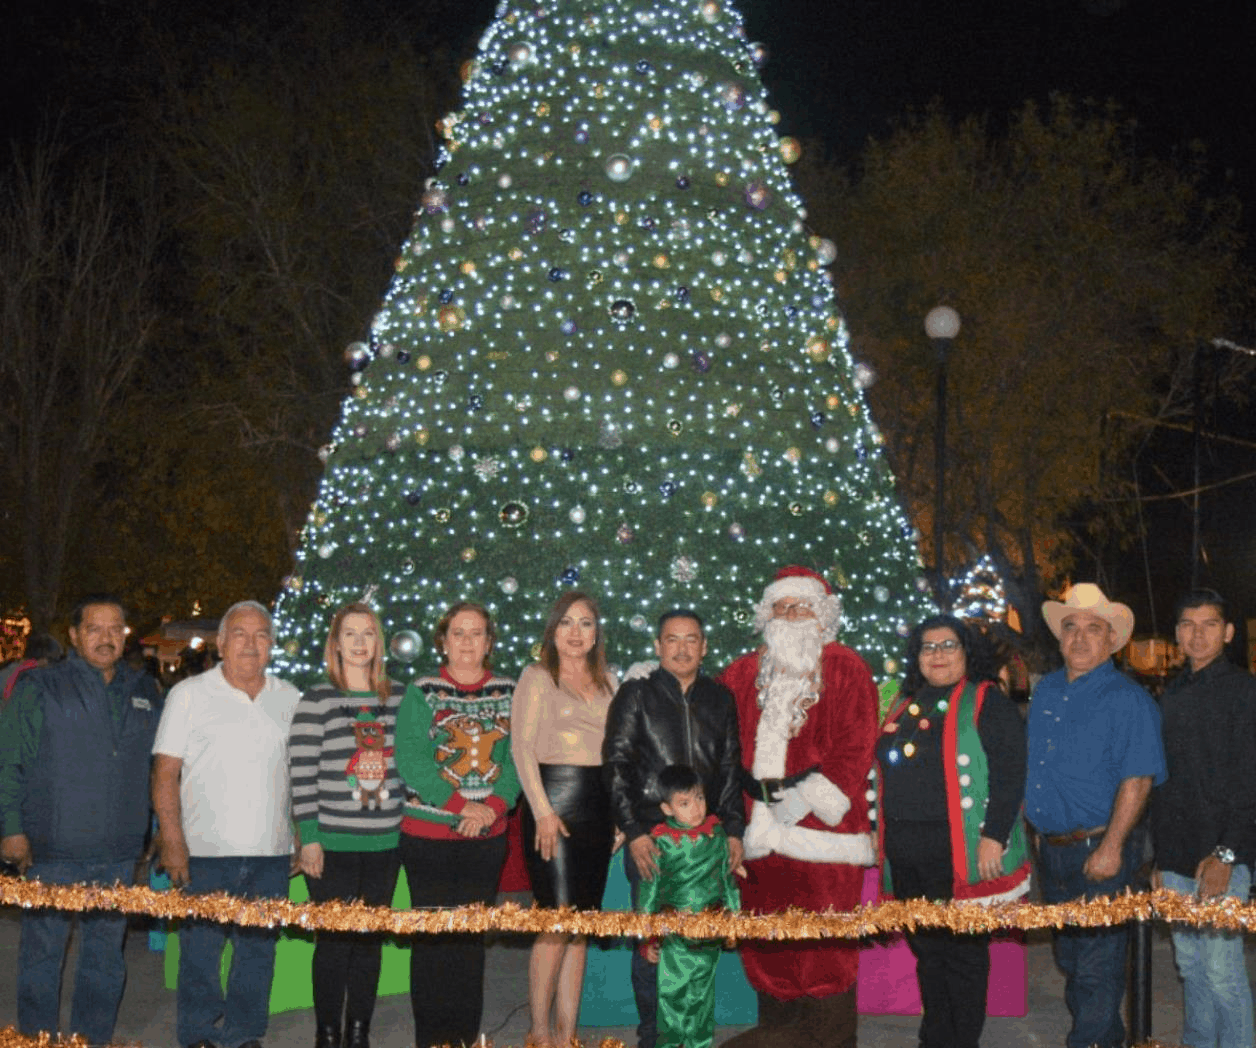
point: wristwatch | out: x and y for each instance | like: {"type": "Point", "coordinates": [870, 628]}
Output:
{"type": "Point", "coordinates": [1223, 854]}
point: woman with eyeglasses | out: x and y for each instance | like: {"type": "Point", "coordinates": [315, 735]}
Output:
{"type": "Point", "coordinates": [951, 777]}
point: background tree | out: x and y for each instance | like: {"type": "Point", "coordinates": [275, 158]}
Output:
{"type": "Point", "coordinates": [76, 319]}
{"type": "Point", "coordinates": [610, 357]}
{"type": "Point", "coordinates": [1084, 273]}
{"type": "Point", "coordinates": [295, 154]}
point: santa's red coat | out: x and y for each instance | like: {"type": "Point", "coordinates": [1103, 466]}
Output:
{"type": "Point", "coordinates": [839, 735]}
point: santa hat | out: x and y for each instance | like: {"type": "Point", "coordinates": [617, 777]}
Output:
{"type": "Point", "coordinates": [802, 584]}
{"type": "Point", "coordinates": [796, 581]}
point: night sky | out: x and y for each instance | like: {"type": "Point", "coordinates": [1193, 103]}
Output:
{"type": "Point", "coordinates": [842, 70]}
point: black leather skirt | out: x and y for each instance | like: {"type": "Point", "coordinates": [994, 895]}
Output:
{"type": "Point", "coordinates": [576, 875]}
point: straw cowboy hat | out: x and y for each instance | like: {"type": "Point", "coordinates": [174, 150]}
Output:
{"type": "Point", "coordinates": [1086, 596]}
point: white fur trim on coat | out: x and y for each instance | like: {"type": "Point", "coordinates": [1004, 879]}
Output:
{"type": "Point", "coordinates": [765, 835]}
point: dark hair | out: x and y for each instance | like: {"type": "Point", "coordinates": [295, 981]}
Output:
{"type": "Point", "coordinates": [442, 629]}
{"type": "Point", "coordinates": [76, 616]}
{"type": "Point", "coordinates": [333, 657]}
{"type": "Point", "coordinates": [41, 645]}
{"type": "Point", "coordinates": [679, 613]}
{"type": "Point", "coordinates": [678, 778]}
{"type": "Point", "coordinates": [549, 648]}
{"type": "Point", "coordinates": [1201, 598]}
{"type": "Point", "coordinates": [978, 658]}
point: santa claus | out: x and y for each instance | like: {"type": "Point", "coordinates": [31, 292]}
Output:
{"type": "Point", "coordinates": [807, 708]}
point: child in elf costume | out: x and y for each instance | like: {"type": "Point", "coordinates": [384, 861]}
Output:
{"type": "Point", "coordinates": [693, 875]}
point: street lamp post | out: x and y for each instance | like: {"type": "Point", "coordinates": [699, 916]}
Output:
{"type": "Point", "coordinates": [941, 325]}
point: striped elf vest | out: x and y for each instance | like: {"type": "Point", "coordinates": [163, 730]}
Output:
{"type": "Point", "coordinates": [967, 792]}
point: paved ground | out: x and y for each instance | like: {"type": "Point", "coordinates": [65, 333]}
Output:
{"type": "Point", "coordinates": [147, 1014]}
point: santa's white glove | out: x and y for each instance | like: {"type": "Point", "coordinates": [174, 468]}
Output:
{"type": "Point", "coordinates": [763, 834]}
{"type": "Point", "coordinates": [640, 670]}
{"type": "Point", "coordinates": [828, 802]}
{"type": "Point", "coordinates": [792, 808]}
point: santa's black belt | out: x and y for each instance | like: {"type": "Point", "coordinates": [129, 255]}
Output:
{"type": "Point", "coordinates": [770, 790]}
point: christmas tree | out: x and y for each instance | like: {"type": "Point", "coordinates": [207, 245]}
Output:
{"type": "Point", "coordinates": [610, 359]}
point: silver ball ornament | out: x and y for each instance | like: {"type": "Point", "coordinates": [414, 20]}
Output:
{"type": "Point", "coordinates": [405, 646]}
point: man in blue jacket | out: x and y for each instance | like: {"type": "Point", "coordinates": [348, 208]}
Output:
{"type": "Point", "coordinates": [74, 755]}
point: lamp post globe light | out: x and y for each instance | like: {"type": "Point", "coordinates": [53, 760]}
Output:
{"type": "Point", "coordinates": [941, 325]}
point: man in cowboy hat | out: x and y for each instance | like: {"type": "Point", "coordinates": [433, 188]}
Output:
{"type": "Point", "coordinates": [1094, 754]}
{"type": "Point", "coordinates": [807, 708]}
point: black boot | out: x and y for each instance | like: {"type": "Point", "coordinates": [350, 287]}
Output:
{"type": "Point", "coordinates": [357, 1033]}
{"type": "Point", "coordinates": [776, 1025]}
{"type": "Point", "coordinates": [327, 1035]}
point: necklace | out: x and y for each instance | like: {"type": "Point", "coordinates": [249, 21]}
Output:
{"type": "Point", "coordinates": [908, 748]}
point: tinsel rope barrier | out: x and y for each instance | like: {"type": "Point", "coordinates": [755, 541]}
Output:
{"type": "Point", "coordinates": [864, 922]}
{"type": "Point", "coordinates": [10, 1038]}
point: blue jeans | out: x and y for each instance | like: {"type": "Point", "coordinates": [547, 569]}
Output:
{"type": "Point", "coordinates": [1094, 960]}
{"type": "Point", "coordinates": [645, 976]}
{"type": "Point", "coordinates": [1214, 973]}
{"type": "Point", "coordinates": [101, 973]}
{"type": "Point", "coordinates": [245, 1010]}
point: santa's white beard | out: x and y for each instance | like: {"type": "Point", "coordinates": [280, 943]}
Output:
{"type": "Point", "coordinates": [793, 647]}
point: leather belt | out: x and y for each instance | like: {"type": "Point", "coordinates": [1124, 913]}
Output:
{"type": "Point", "coordinates": [1062, 840]}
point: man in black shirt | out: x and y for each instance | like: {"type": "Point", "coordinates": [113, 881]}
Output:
{"type": "Point", "coordinates": [676, 715]}
{"type": "Point", "coordinates": [1204, 817]}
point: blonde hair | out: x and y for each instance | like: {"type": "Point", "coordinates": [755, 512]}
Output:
{"type": "Point", "coordinates": [377, 676]}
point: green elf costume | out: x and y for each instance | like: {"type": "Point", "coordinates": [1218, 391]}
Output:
{"type": "Point", "coordinates": [693, 875]}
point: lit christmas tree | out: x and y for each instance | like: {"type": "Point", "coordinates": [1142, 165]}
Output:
{"type": "Point", "coordinates": [610, 359]}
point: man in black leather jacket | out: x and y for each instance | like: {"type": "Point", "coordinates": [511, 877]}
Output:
{"type": "Point", "coordinates": [676, 715]}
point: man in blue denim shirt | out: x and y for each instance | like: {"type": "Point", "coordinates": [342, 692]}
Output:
{"type": "Point", "coordinates": [1203, 819]}
{"type": "Point", "coordinates": [74, 758]}
{"type": "Point", "coordinates": [1094, 753]}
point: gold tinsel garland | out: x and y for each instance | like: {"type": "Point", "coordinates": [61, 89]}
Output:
{"type": "Point", "coordinates": [862, 923]}
{"type": "Point", "coordinates": [10, 1038]}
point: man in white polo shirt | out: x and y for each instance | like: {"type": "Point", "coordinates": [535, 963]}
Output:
{"type": "Point", "coordinates": [222, 796]}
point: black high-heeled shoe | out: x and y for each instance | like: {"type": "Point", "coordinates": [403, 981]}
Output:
{"type": "Point", "coordinates": [327, 1035]}
{"type": "Point", "coordinates": [357, 1033]}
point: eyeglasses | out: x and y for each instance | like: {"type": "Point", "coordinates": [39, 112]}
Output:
{"type": "Point", "coordinates": [786, 609]}
{"type": "Point", "coordinates": [947, 647]}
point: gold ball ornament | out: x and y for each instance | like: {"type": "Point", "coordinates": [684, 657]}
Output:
{"type": "Point", "coordinates": [451, 318]}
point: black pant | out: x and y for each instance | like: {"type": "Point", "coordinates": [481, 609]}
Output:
{"type": "Point", "coordinates": [447, 971]}
{"type": "Point", "coordinates": [346, 964]}
{"type": "Point", "coordinates": [953, 970]}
